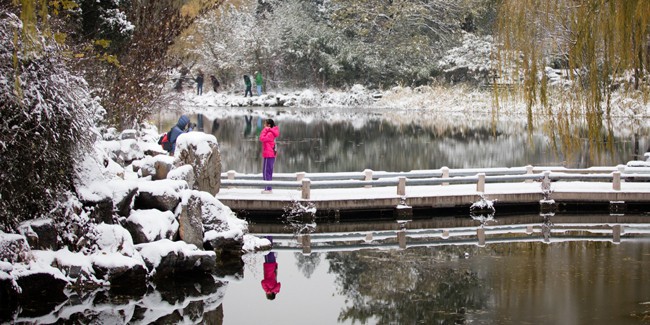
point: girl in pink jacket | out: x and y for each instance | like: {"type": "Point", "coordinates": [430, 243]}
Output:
{"type": "Point", "coordinates": [270, 283]}
{"type": "Point", "coordinates": [267, 137]}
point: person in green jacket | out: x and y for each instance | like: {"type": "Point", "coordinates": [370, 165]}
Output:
{"type": "Point", "coordinates": [247, 82]}
{"type": "Point", "coordinates": [258, 82]}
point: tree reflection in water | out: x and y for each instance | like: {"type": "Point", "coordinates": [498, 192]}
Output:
{"type": "Point", "coordinates": [407, 286]}
{"type": "Point", "coordinates": [399, 141]}
{"type": "Point", "coordinates": [307, 263]}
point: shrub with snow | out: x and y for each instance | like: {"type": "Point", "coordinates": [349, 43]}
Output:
{"type": "Point", "coordinates": [46, 115]}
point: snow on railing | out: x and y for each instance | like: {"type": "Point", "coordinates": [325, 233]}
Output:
{"type": "Point", "coordinates": [443, 176]}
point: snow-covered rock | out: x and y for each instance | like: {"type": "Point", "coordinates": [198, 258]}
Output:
{"type": "Point", "coordinates": [14, 248]}
{"type": "Point", "coordinates": [146, 226]}
{"type": "Point", "coordinates": [183, 173]}
{"type": "Point", "coordinates": [166, 258]}
{"type": "Point", "coordinates": [40, 233]}
{"type": "Point", "coordinates": [156, 166]}
{"type": "Point", "coordinates": [201, 151]}
{"type": "Point", "coordinates": [163, 195]}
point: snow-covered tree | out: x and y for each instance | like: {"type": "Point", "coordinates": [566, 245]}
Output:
{"type": "Point", "coordinates": [223, 41]}
{"type": "Point", "coordinates": [121, 47]}
{"type": "Point", "coordinates": [45, 118]}
{"type": "Point", "coordinates": [471, 61]}
{"type": "Point", "coordinates": [335, 42]}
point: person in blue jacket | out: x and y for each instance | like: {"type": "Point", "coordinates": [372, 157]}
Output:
{"type": "Point", "coordinates": [178, 129]}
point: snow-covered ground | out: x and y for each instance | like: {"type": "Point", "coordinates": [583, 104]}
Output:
{"type": "Point", "coordinates": [458, 99]}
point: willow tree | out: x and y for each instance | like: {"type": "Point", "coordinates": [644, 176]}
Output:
{"type": "Point", "coordinates": [601, 46]}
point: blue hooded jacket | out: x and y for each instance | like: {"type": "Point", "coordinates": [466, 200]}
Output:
{"type": "Point", "coordinates": [178, 130]}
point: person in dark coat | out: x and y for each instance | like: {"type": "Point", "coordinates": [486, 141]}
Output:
{"type": "Point", "coordinates": [199, 83]}
{"type": "Point", "coordinates": [177, 130]}
{"type": "Point", "coordinates": [247, 82]}
{"type": "Point", "coordinates": [215, 83]}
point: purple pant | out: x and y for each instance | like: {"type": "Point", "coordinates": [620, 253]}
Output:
{"type": "Point", "coordinates": [267, 170]}
{"type": "Point", "coordinates": [269, 258]}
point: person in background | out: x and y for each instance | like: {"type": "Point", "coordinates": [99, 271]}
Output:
{"type": "Point", "coordinates": [215, 83]}
{"type": "Point", "coordinates": [247, 82]}
{"type": "Point", "coordinates": [258, 82]}
{"type": "Point", "coordinates": [199, 83]}
{"type": "Point", "coordinates": [268, 135]}
{"type": "Point", "coordinates": [178, 129]}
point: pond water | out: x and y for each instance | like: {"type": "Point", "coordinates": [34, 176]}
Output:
{"type": "Point", "coordinates": [568, 282]}
{"type": "Point", "coordinates": [343, 141]}
{"type": "Point", "coordinates": [530, 270]}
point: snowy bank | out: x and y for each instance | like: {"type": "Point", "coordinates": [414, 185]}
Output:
{"type": "Point", "coordinates": [133, 224]}
{"type": "Point", "coordinates": [461, 99]}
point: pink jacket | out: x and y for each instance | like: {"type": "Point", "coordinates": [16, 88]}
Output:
{"type": "Point", "coordinates": [270, 282]}
{"type": "Point", "coordinates": [267, 136]}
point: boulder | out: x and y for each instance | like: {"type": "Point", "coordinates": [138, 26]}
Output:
{"type": "Point", "coordinates": [14, 248]}
{"type": "Point", "coordinates": [184, 173]}
{"type": "Point", "coordinates": [156, 166]}
{"type": "Point", "coordinates": [126, 275]}
{"type": "Point", "coordinates": [201, 151]}
{"type": "Point", "coordinates": [128, 134]}
{"type": "Point", "coordinates": [123, 194]}
{"type": "Point", "coordinates": [100, 210]}
{"type": "Point", "coordinates": [162, 195]}
{"type": "Point", "coordinates": [165, 259]}
{"type": "Point", "coordinates": [223, 231]}
{"type": "Point", "coordinates": [124, 151]}
{"type": "Point", "coordinates": [8, 296]}
{"type": "Point", "coordinates": [146, 226]}
{"type": "Point", "coordinates": [191, 222]}
{"type": "Point", "coordinates": [40, 292]}
{"type": "Point", "coordinates": [41, 234]}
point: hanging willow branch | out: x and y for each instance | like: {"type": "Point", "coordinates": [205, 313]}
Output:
{"type": "Point", "coordinates": [603, 45]}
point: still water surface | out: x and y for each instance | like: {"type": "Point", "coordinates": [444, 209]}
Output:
{"type": "Point", "coordinates": [583, 278]}
{"type": "Point", "coordinates": [508, 283]}
{"type": "Point", "coordinates": [343, 141]}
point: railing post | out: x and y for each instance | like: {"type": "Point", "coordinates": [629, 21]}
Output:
{"type": "Point", "coordinates": [529, 171]}
{"type": "Point", "coordinates": [546, 181]}
{"type": "Point", "coordinates": [401, 239]}
{"type": "Point", "coordinates": [480, 185]}
{"type": "Point", "coordinates": [306, 189]}
{"type": "Point", "coordinates": [401, 186]}
{"type": "Point", "coordinates": [616, 181]}
{"type": "Point", "coordinates": [231, 176]}
{"type": "Point", "coordinates": [616, 234]}
{"type": "Point", "coordinates": [299, 177]}
{"type": "Point", "coordinates": [445, 174]}
{"type": "Point", "coordinates": [480, 234]}
{"type": "Point", "coordinates": [368, 173]}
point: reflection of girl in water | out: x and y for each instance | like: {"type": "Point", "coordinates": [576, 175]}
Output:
{"type": "Point", "coordinates": [270, 283]}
